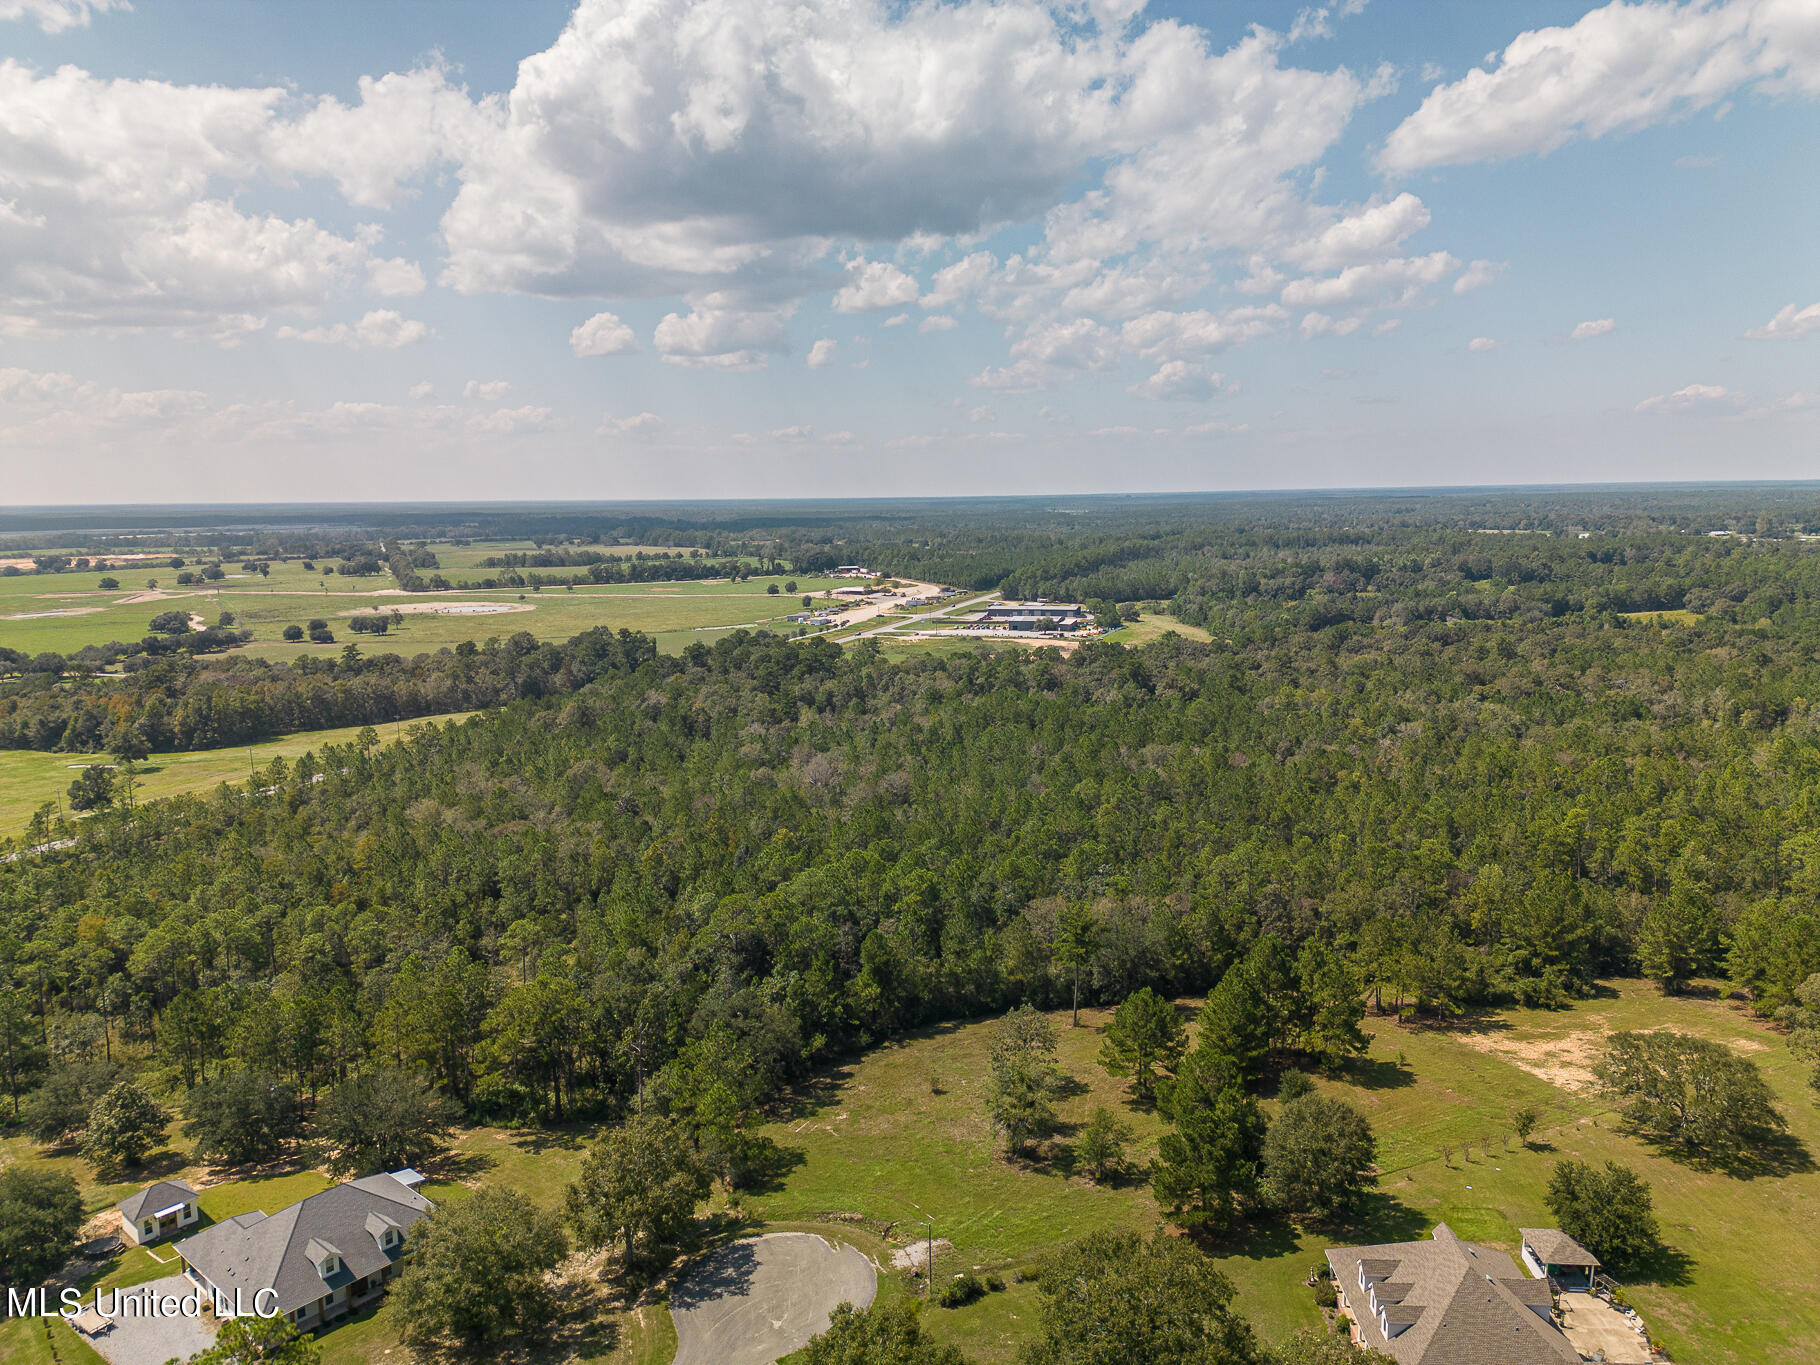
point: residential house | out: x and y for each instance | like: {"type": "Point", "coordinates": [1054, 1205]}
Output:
{"type": "Point", "coordinates": [158, 1211]}
{"type": "Point", "coordinates": [319, 1258]}
{"type": "Point", "coordinates": [1447, 1302]}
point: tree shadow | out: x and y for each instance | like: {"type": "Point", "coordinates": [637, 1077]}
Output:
{"type": "Point", "coordinates": [537, 1141]}
{"type": "Point", "coordinates": [1376, 1073]}
{"type": "Point", "coordinates": [724, 1272]}
{"type": "Point", "coordinates": [768, 1165]}
{"type": "Point", "coordinates": [1068, 1087]}
{"type": "Point", "coordinates": [1770, 1155]}
{"type": "Point", "coordinates": [1378, 1217]}
{"type": "Point", "coordinates": [1668, 1266]}
{"type": "Point", "coordinates": [457, 1168]}
{"type": "Point", "coordinates": [810, 1094]}
{"type": "Point", "coordinates": [1261, 1239]}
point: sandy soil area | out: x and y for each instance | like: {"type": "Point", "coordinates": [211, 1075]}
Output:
{"type": "Point", "coordinates": [446, 609]}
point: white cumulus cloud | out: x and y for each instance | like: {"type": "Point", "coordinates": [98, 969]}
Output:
{"type": "Point", "coordinates": [821, 354]}
{"type": "Point", "coordinates": [54, 16]}
{"type": "Point", "coordinates": [1593, 327]}
{"type": "Point", "coordinates": [1694, 398]}
{"type": "Point", "coordinates": [1178, 379]}
{"type": "Point", "coordinates": [487, 390]}
{"type": "Point", "coordinates": [382, 329]}
{"type": "Point", "coordinates": [1788, 324]}
{"type": "Point", "coordinates": [1479, 274]}
{"type": "Point", "coordinates": [1621, 67]}
{"type": "Point", "coordinates": [603, 334]}
{"type": "Point", "coordinates": [1483, 344]}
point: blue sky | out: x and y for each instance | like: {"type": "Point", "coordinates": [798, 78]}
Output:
{"type": "Point", "coordinates": [649, 248]}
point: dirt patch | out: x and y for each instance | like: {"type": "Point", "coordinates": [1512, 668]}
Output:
{"type": "Point", "coordinates": [153, 595]}
{"type": "Point", "coordinates": [1566, 1062]}
{"type": "Point", "coordinates": [916, 1255]}
{"type": "Point", "coordinates": [445, 609]}
{"type": "Point", "coordinates": [39, 615]}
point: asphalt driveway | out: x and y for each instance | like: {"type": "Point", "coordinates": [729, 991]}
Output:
{"type": "Point", "coordinates": [756, 1300]}
{"type": "Point", "coordinates": [137, 1340]}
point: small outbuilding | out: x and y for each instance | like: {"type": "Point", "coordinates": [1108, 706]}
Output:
{"type": "Point", "coordinates": [1550, 1254]}
{"type": "Point", "coordinates": [158, 1211]}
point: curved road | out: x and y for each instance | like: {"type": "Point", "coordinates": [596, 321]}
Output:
{"type": "Point", "coordinates": [758, 1299]}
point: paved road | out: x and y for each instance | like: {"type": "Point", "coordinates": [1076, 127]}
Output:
{"type": "Point", "coordinates": [912, 622]}
{"type": "Point", "coordinates": [756, 1300]}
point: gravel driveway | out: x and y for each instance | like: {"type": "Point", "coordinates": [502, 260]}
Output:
{"type": "Point", "coordinates": [137, 1340]}
{"type": "Point", "coordinates": [756, 1300]}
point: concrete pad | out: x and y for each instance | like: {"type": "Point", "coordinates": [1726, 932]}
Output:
{"type": "Point", "coordinates": [1592, 1325]}
{"type": "Point", "coordinates": [136, 1340]}
{"type": "Point", "coordinates": [762, 1298]}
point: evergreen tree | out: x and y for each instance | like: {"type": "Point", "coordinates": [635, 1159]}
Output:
{"type": "Point", "coordinates": [1608, 1211]}
{"type": "Point", "coordinates": [1145, 1032]}
{"type": "Point", "coordinates": [1206, 1167]}
{"type": "Point", "coordinates": [1022, 1080]}
{"type": "Point", "coordinates": [1235, 1024]}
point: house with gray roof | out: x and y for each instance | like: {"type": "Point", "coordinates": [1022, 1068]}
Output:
{"type": "Point", "coordinates": [319, 1258]}
{"type": "Point", "coordinates": [1447, 1302]}
{"type": "Point", "coordinates": [160, 1210]}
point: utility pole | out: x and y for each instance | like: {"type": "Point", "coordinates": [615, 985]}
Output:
{"type": "Point", "coordinates": [929, 1260]}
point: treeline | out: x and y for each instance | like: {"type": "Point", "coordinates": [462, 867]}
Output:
{"type": "Point", "coordinates": [695, 877]}
{"type": "Point", "coordinates": [614, 569]}
{"type": "Point", "coordinates": [183, 703]}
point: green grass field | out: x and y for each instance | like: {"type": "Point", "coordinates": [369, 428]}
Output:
{"type": "Point", "coordinates": [1154, 626]}
{"type": "Point", "coordinates": [64, 612]}
{"type": "Point", "coordinates": [29, 778]}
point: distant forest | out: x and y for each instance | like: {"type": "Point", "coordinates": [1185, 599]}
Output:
{"type": "Point", "coordinates": [1447, 757]}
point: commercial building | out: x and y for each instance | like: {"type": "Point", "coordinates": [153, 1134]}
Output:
{"type": "Point", "coordinates": [1067, 616]}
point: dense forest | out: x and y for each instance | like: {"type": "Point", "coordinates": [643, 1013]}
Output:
{"type": "Point", "coordinates": [188, 703]}
{"type": "Point", "coordinates": [1443, 757]}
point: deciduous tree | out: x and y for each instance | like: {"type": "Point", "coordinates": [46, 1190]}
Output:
{"type": "Point", "coordinates": [480, 1268]}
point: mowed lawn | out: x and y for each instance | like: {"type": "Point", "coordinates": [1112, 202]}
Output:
{"type": "Point", "coordinates": [901, 1135]}
{"type": "Point", "coordinates": [29, 778]}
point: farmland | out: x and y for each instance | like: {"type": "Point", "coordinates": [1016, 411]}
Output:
{"type": "Point", "coordinates": [63, 612]}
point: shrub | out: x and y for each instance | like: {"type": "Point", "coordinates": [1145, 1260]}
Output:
{"type": "Point", "coordinates": [293, 633]}
{"type": "Point", "coordinates": [1325, 1295]}
{"type": "Point", "coordinates": [962, 1290]}
{"type": "Point", "coordinates": [995, 1283]}
{"type": "Point", "coordinates": [1293, 1086]}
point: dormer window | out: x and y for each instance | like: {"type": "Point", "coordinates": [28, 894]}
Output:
{"type": "Point", "coordinates": [325, 1258]}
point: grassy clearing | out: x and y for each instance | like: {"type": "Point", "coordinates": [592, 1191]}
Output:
{"type": "Point", "coordinates": [29, 778]}
{"type": "Point", "coordinates": [1678, 617]}
{"type": "Point", "coordinates": [1154, 626]}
